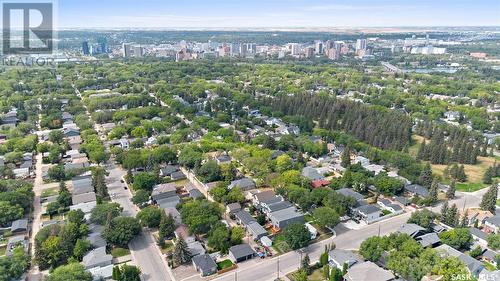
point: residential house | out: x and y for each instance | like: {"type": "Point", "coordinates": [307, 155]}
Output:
{"type": "Point", "coordinates": [195, 193]}
{"type": "Point", "coordinates": [71, 132]}
{"type": "Point", "coordinates": [162, 191]}
{"type": "Point", "coordinates": [479, 236]}
{"type": "Point", "coordinates": [337, 258]}
{"type": "Point", "coordinates": [168, 170]}
{"type": "Point", "coordinates": [415, 189]}
{"type": "Point", "coordinates": [75, 166]}
{"type": "Point", "coordinates": [311, 173]}
{"type": "Point", "coordinates": [490, 256]}
{"type": "Point", "coordinates": [283, 218]}
{"type": "Point", "coordinates": [124, 144]}
{"type": "Point", "coordinates": [243, 217]}
{"type": "Point", "coordinates": [83, 198]}
{"type": "Point", "coordinates": [452, 115]}
{"type": "Point", "coordinates": [19, 226]}
{"type": "Point", "coordinates": [476, 214]}
{"type": "Point", "coordinates": [97, 258]}
{"type": "Point", "coordinates": [256, 230]}
{"type": "Point", "coordinates": [492, 224]}
{"type": "Point", "coordinates": [429, 240]}
{"type": "Point", "coordinates": [179, 175]}
{"type": "Point", "coordinates": [368, 213]}
{"type": "Point", "coordinates": [319, 183]}
{"type": "Point", "coordinates": [240, 253]}
{"type": "Point", "coordinates": [274, 207]}
{"type": "Point", "coordinates": [474, 266]}
{"type": "Point", "coordinates": [233, 208]}
{"type": "Point", "coordinates": [175, 214]}
{"type": "Point", "coordinates": [204, 264]}
{"type": "Point", "coordinates": [413, 230]}
{"type": "Point", "coordinates": [82, 185]}
{"type": "Point", "coordinates": [243, 184]}
{"type": "Point", "coordinates": [363, 161]}
{"type": "Point", "coordinates": [351, 193]}
{"type": "Point", "coordinates": [402, 200]}
{"type": "Point", "coordinates": [223, 159]}
{"type": "Point", "coordinates": [368, 271]}
{"type": "Point", "coordinates": [383, 203]}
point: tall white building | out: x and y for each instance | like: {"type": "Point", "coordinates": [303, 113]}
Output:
{"type": "Point", "coordinates": [294, 49]}
{"type": "Point", "coordinates": [138, 51]}
{"type": "Point", "coordinates": [126, 50]}
{"type": "Point", "coordinates": [318, 48]}
{"type": "Point", "coordinates": [360, 44]}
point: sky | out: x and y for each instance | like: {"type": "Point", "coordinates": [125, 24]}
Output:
{"type": "Point", "coordinates": [275, 13]}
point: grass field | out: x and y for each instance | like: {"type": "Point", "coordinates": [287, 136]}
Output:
{"type": "Point", "coordinates": [224, 264]}
{"type": "Point", "coordinates": [119, 252]}
{"type": "Point", "coordinates": [474, 172]}
{"type": "Point", "coordinates": [280, 245]}
{"type": "Point", "coordinates": [50, 192]}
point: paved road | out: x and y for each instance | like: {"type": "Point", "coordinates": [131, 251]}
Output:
{"type": "Point", "coordinates": [143, 249]}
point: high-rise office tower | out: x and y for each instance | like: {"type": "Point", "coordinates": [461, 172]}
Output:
{"type": "Point", "coordinates": [126, 50]}
{"type": "Point", "coordinates": [360, 44]}
{"type": "Point", "coordinates": [85, 48]}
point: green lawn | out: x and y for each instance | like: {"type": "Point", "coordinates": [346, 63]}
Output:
{"type": "Point", "coordinates": [119, 252]}
{"type": "Point", "coordinates": [50, 192]}
{"type": "Point", "coordinates": [308, 218]}
{"type": "Point", "coordinates": [280, 245]}
{"type": "Point", "coordinates": [3, 249]}
{"type": "Point", "coordinates": [498, 202]}
{"type": "Point", "coordinates": [385, 212]}
{"type": "Point", "coordinates": [168, 247]}
{"type": "Point", "coordinates": [489, 266]}
{"type": "Point", "coordinates": [469, 187]}
{"type": "Point", "coordinates": [224, 264]}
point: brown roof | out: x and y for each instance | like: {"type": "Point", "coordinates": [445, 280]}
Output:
{"type": "Point", "coordinates": [164, 188]}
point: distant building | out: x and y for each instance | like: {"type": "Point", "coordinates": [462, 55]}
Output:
{"type": "Point", "coordinates": [360, 45]}
{"type": "Point", "coordinates": [85, 48]}
{"type": "Point", "coordinates": [126, 50]}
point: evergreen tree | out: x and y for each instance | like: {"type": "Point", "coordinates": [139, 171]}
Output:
{"type": "Point", "coordinates": [488, 203]}
{"type": "Point", "coordinates": [461, 176]}
{"type": "Point", "coordinates": [305, 264]}
{"type": "Point", "coordinates": [425, 178]}
{"type": "Point", "coordinates": [422, 153]}
{"type": "Point", "coordinates": [326, 272]}
{"type": "Point", "coordinates": [450, 193]}
{"type": "Point", "coordinates": [452, 218]}
{"type": "Point", "coordinates": [181, 253]}
{"type": "Point", "coordinates": [488, 176]}
{"type": "Point", "coordinates": [444, 212]}
{"type": "Point", "coordinates": [465, 220]}
{"type": "Point", "coordinates": [346, 157]}
{"type": "Point", "coordinates": [433, 192]}
{"type": "Point", "coordinates": [167, 225]}
{"type": "Point", "coordinates": [116, 275]}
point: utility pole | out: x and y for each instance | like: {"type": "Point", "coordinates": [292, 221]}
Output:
{"type": "Point", "coordinates": [236, 276]}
